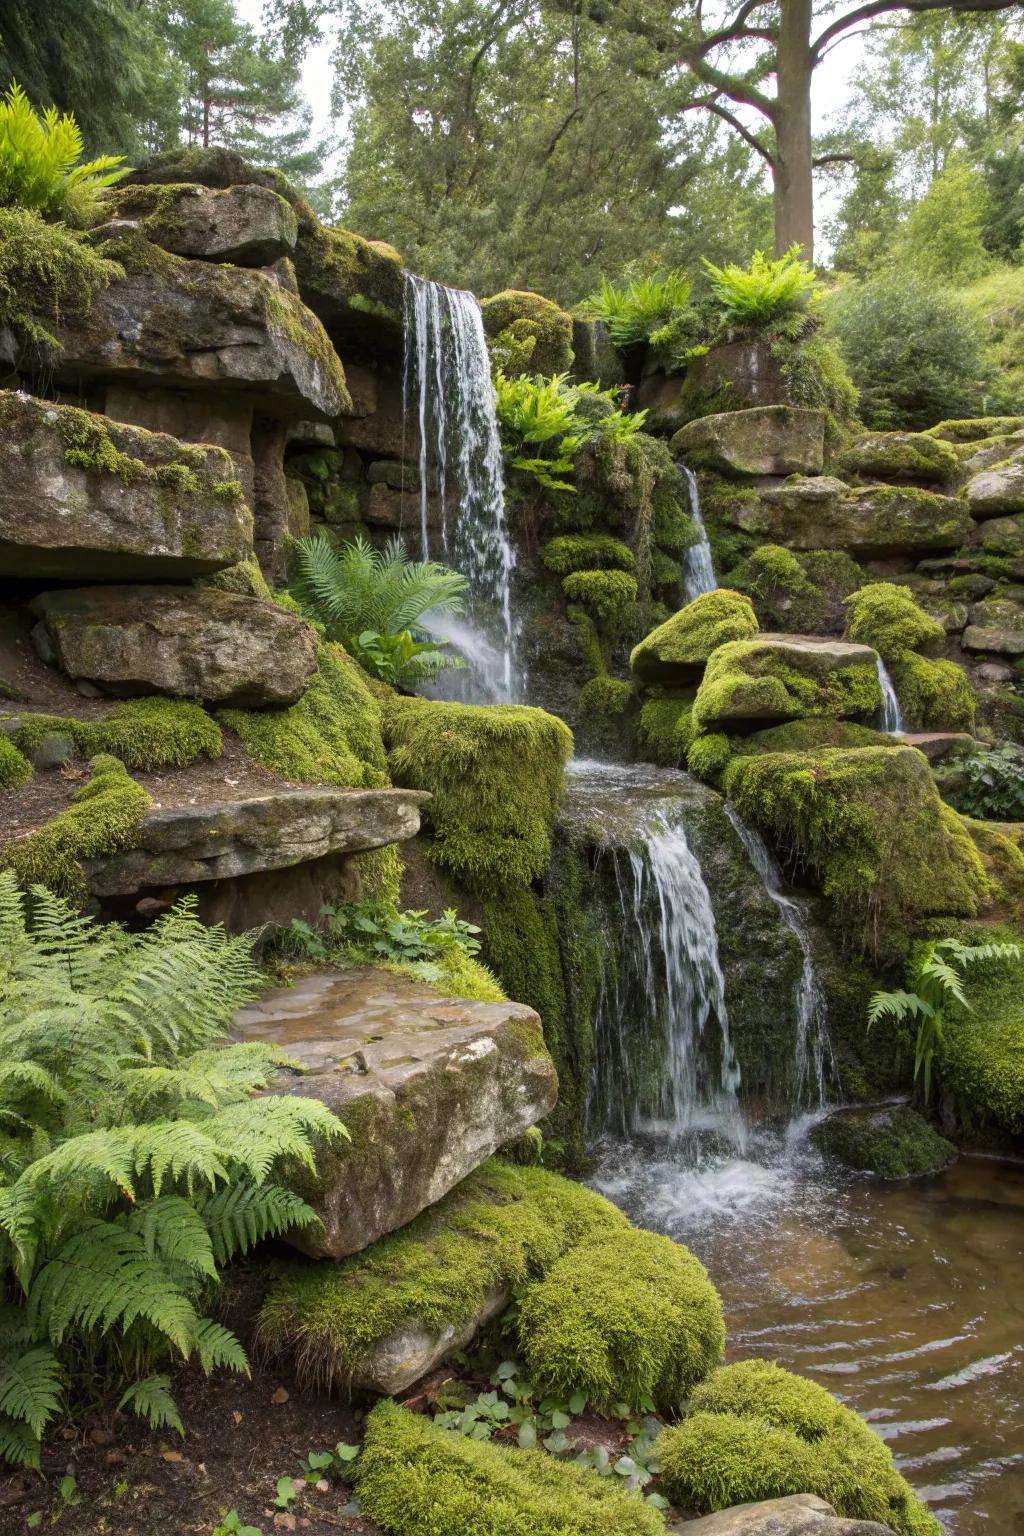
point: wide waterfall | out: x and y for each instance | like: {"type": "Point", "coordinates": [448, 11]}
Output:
{"type": "Point", "coordinates": [890, 715]}
{"type": "Point", "coordinates": [815, 1068]}
{"type": "Point", "coordinates": [698, 567]}
{"type": "Point", "coordinates": [448, 402]}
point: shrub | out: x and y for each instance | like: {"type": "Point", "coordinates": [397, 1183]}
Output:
{"type": "Point", "coordinates": [765, 292]}
{"type": "Point", "coordinates": [630, 1318]}
{"type": "Point", "coordinates": [134, 1162]}
{"type": "Point", "coordinates": [886, 617]}
{"type": "Point", "coordinates": [39, 156]}
{"type": "Point", "coordinates": [606, 594]}
{"type": "Point", "coordinates": [638, 310]}
{"type": "Point", "coordinates": [46, 272]}
{"type": "Point", "coordinates": [913, 350]}
{"type": "Point", "coordinates": [987, 784]}
{"type": "Point", "coordinates": [414, 1477]}
{"type": "Point", "coordinates": [756, 1431]}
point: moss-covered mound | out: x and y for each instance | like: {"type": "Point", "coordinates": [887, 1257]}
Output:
{"type": "Point", "coordinates": [588, 552]}
{"type": "Point", "coordinates": [868, 825]}
{"type": "Point", "coordinates": [15, 770]}
{"type": "Point", "coordinates": [786, 678]}
{"type": "Point", "coordinates": [886, 617]}
{"type": "Point", "coordinates": [623, 1318]}
{"type": "Point", "coordinates": [608, 596]}
{"type": "Point", "coordinates": [144, 733]}
{"type": "Point", "coordinates": [890, 1143]}
{"type": "Point", "coordinates": [801, 593]}
{"type": "Point", "coordinates": [981, 1058]}
{"type": "Point", "coordinates": [756, 1431]}
{"type": "Point", "coordinates": [678, 650]}
{"type": "Point", "coordinates": [415, 1478]}
{"type": "Point", "coordinates": [497, 1231]}
{"type": "Point", "coordinates": [934, 695]}
{"type": "Point", "coordinates": [496, 776]}
{"type": "Point", "coordinates": [664, 730]}
{"type": "Point", "coordinates": [522, 318]}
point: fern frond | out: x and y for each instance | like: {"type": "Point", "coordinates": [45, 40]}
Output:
{"type": "Point", "coordinates": [898, 1006]}
{"type": "Point", "coordinates": [18, 1444]}
{"type": "Point", "coordinates": [217, 1347]}
{"type": "Point", "coordinates": [30, 1387]}
{"type": "Point", "coordinates": [242, 1214]}
{"type": "Point", "coordinates": [151, 1399]}
{"type": "Point", "coordinates": [255, 1135]}
{"type": "Point", "coordinates": [173, 1230]}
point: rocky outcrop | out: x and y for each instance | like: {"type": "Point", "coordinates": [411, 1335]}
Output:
{"type": "Point", "coordinates": [998, 642]}
{"type": "Point", "coordinates": [188, 845]}
{"type": "Point", "coordinates": [81, 495]}
{"type": "Point", "coordinates": [355, 286]}
{"type": "Point", "coordinates": [799, 1514]}
{"type": "Point", "coordinates": [428, 1087]}
{"type": "Point", "coordinates": [776, 678]}
{"type": "Point", "coordinates": [822, 512]}
{"type": "Point", "coordinates": [766, 440]}
{"type": "Point", "coordinates": [248, 226]}
{"type": "Point", "coordinates": [913, 458]}
{"type": "Point", "coordinates": [217, 646]}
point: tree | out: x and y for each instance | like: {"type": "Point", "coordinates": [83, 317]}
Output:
{"type": "Point", "coordinates": [942, 238]}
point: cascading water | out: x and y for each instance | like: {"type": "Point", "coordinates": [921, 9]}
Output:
{"type": "Point", "coordinates": [890, 715]}
{"type": "Point", "coordinates": [698, 567]}
{"type": "Point", "coordinates": [815, 1067]}
{"type": "Point", "coordinates": [447, 392]}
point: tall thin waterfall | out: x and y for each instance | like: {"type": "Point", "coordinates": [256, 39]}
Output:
{"type": "Point", "coordinates": [891, 717]}
{"type": "Point", "coordinates": [698, 567]}
{"type": "Point", "coordinates": [815, 1064]}
{"type": "Point", "coordinates": [447, 392]}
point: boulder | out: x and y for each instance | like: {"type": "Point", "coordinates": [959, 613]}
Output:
{"type": "Point", "coordinates": [799, 1514]}
{"type": "Point", "coordinates": [974, 429]}
{"type": "Point", "coordinates": [81, 496]}
{"type": "Point", "coordinates": [199, 326]}
{"type": "Point", "coordinates": [597, 358]}
{"type": "Point", "coordinates": [1000, 536]}
{"type": "Point", "coordinates": [766, 440]}
{"type": "Point", "coordinates": [904, 457]}
{"type": "Point", "coordinates": [203, 644]}
{"type": "Point", "coordinates": [998, 491]}
{"type": "Point", "coordinates": [678, 650]}
{"type": "Point", "coordinates": [800, 512]}
{"type": "Point", "coordinates": [887, 520]}
{"type": "Point", "coordinates": [998, 642]}
{"type": "Point", "coordinates": [740, 373]}
{"type": "Point", "coordinates": [186, 845]}
{"type": "Point", "coordinates": [776, 678]}
{"type": "Point", "coordinates": [249, 226]}
{"type": "Point", "coordinates": [892, 1143]}
{"type": "Point", "coordinates": [660, 395]}
{"type": "Point", "coordinates": [938, 744]}
{"type": "Point", "coordinates": [355, 286]}
{"type": "Point", "coordinates": [531, 317]}
{"type": "Point", "coordinates": [429, 1088]}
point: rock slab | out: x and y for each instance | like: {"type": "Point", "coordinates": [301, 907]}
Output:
{"type": "Point", "coordinates": [765, 440]}
{"type": "Point", "coordinates": [429, 1088]}
{"type": "Point", "coordinates": [219, 646]}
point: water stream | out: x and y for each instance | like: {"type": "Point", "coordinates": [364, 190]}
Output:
{"type": "Point", "coordinates": [698, 567]}
{"type": "Point", "coordinates": [890, 715]}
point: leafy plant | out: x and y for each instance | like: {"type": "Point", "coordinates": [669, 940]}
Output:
{"type": "Point", "coordinates": [374, 602]}
{"type": "Point", "coordinates": [988, 785]}
{"type": "Point", "coordinates": [231, 1525]}
{"type": "Point", "coordinates": [767, 291]}
{"type": "Point", "coordinates": [338, 1463]}
{"type": "Point", "coordinates": [368, 934]}
{"type": "Point", "coordinates": [638, 310]}
{"type": "Point", "coordinates": [287, 1492]}
{"type": "Point", "coordinates": [39, 154]}
{"type": "Point", "coordinates": [552, 418]}
{"type": "Point", "coordinates": [134, 1161]}
{"type": "Point", "coordinates": [937, 982]}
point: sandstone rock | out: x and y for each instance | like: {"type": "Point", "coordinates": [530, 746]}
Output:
{"type": "Point", "coordinates": [744, 372]}
{"type": "Point", "coordinates": [800, 1514]}
{"type": "Point", "coordinates": [355, 286]}
{"type": "Point", "coordinates": [247, 225]}
{"type": "Point", "coordinates": [382, 507]}
{"type": "Point", "coordinates": [202, 418]}
{"type": "Point", "coordinates": [397, 1362]}
{"type": "Point", "coordinates": [217, 646]}
{"type": "Point", "coordinates": [997, 613]}
{"type": "Point", "coordinates": [903, 457]}
{"type": "Point", "coordinates": [597, 358]}
{"type": "Point", "coordinates": [81, 496]}
{"type": "Point", "coordinates": [379, 428]}
{"type": "Point", "coordinates": [270, 498]}
{"type": "Point", "coordinates": [776, 678]}
{"type": "Point", "coordinates": [1001, 642]}
{"type": "Point", "coordinates": [938, 744]}
{"type": "Point", "coordinates": [186, 845]}
{"type": "Point", "coordinates": [871, 520]}
{"type": "Point", "coordinates": [429, 1088]}
{"type": "Point", "coordinates": [802, 511]}
{"type": "Point", "coordinates": [766, 440]}
{"type": "Point", "coordinates": [997, 492]}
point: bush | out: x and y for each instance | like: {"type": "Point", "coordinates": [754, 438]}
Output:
{"type": "Point", "coordinates": [544, 423]}
{"type": "Point", "coordinates": [38, 162]}
{"type": "Point", "coordinates": [629, 1317]}
{"type": "Point", "coordinates": [765, 292]}
{"type": "Point", "coordinates": [886, 617]}
{"type": "Point", "coordinates": [913, 350]}
{"type": "Point", "coordinates": [756, 1431]}
{"type": "Point", "coordinates": [134, 1162]}
{"type": "Point", "coordinates": [46, 272]}
{"type": "Point", "coordinates": [987, 784]}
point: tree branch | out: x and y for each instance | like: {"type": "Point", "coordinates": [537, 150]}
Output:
{"type": "Point", "coordinates": [880, 7]}
{"type": "Point", "coordinates": [837, 158]}
{"type": "Point", "coordinates": [711, 104]}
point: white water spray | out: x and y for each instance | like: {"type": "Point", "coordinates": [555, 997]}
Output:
{"type": "Point", "coordinates": [891, 717]}
{"type": "Point", "coordinates": [698, 567]}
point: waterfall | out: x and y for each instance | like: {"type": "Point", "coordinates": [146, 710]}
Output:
{"type": "Point", "coordinates": [891, 719]}
{"type": "Point", "coordinates": [447, 390]}
{"type": "Point", "coordinates": [814, 1061]}
{"type": "Point", "coordinates": [698, 567]}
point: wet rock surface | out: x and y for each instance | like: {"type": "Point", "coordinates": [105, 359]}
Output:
{"type": "Point", "coordinates": [801, 1514]}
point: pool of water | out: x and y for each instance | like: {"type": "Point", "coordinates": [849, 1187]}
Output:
{"type": "Point", "coordinates": [905, 1299]}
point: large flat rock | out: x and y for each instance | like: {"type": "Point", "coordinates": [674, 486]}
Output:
{"type": "Point", "coordinates": [429, 1088]}
{"type": "Point", "coordinates": [800, 1514]}
{"type": "Point", "coordinates": [998, 491]}
{"type": "Point", "coordinates": [248, 225]}
{"type": "Point", "coordinates": [185, 845]}
{"type": "Point", "coordinates": [822, 512]}
{"type": "Point", "coordinates": [765, 440]}
{"type": "Point", "coordinates": [219, 646]}
{"type": "Point", "coordinates": [776, 678]}
{"type": "Point", "coordinates": [82, 496]}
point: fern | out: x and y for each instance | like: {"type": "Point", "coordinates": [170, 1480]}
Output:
{"type": "Point", "coordinates": [636, 311]}
{"type": "Point", "coordinates": [764, 293]}
{"type": "Point", "coordinates": [543, 429]}
{"type": "Point", "coordinates": [39, 155]}
{"type": "Point", "coordinates": [151, 1399]}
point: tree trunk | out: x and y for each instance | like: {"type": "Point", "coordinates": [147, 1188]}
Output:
{"type": "Point", "coordinates": [794, 189]}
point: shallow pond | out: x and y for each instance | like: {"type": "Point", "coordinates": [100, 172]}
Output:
{"type": "Point", "coordinates": [905, 1299]}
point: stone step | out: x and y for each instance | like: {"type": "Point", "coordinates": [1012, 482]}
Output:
{"type": "Point", "coordinates": [938, 744]}
{"type": "Point", "coordinates": [185, 845]}
{"type": "Point", "coordinates": [429, 1088]}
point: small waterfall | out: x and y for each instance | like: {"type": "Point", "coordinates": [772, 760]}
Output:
{"type": "Point", "coordinates": [698, 567]}
{"type": "Point", "coordinates": [446, 384]}
{"type": "Point", "coordinates": [890, 716]}
{"type": "Point", "coordinates": [815, 1063]}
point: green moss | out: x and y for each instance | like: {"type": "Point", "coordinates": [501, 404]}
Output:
{"type": "Point", "coordinates": [972, 429]}
{"type": "Point", "coordinates": [605, 696]}
{"type": "Point", "coordinates": [623, 1318]}
{"type": "Point", "coordinates": [286, 314]}
{"type": "Point", "coordinates": [380, 875]}
{"type": "Point", "coordinates": [934, 695]}
{"type": "Point", "coordinates": [900, 456]}
{"type": "Point", "coordinates": [868, 825]}
{"type": "Point", "coordinates": [498, 1230]}
{"type": "Point", "coordinates": [886, 617]}
{"type": "Point", "coordinates": [587, 552]}
{"type": "Point", "coordinates": [495, 775]}
{"type": "Point", "coordinates": [144, 733]}
{"type": "Point", "coordinates": [608, 595]}
{"type": "Point", "coordinates": [47, 271]}
{"type": "Point", "coordinates": [521, 944]}
{"type": "Point", "coordinates": [414, 1478]}
{"type": "Point", "coordinates": [15, 770]}
{"type": "Point", "coordinates": [750, 680]}
{"type": "Point", "coordinates": [809, 735]}
{"type": "Point", "coordinates": [103, 818]}
{"type": "Point", "coordinates": [665, 729]}
{"type": "Point", "coordinates": [339, 270]}
{"type": "Point", "coordinates": [890, 1143]}
{"type": "Point", "coordinates": [708, 755]}
{"type": "Point", "coordinates": [245, 578]}
{"type": "Point", "coordinates": [781, 590]}
{"type": "Point", "coordinates": [528, 315]}
{"type": "Point", "coordinates": [756, 1431]}
{"type": "Point", "coordinates": [981, 1058]}
{"type": "Point", "coordinates": [679, 648]}
{"type": "Point", "coordinates": [331, 736]}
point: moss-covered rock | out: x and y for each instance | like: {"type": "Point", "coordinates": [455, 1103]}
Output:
{"type": "Point", "coordinates": [15, 769]}
{"type": "Point", "coordinates": [707, 756]}
{"type": "Point", "coordinates": [997, 491]}
{"type": "Point", "coordinates": [786, 677]}
{"type": "Point", "coordinates": [665, 729]}
{"type": "Point", "coordinates": [143, 733]}
{"type": "Point", "coordinates": [588, 552]}
{"type": "Point", "coordinates": [246, 224]}
{"type": "Point", "coordinates": [677, 651]}
{"type": "Point", "coordinates": [972, 429]}
{"type": "Point", "coordinates": [756, 1431]}
{"type": "Point", "coordinates": [530, 317]}
{"type": "Point", "coordinates": [915, 457]}
{"type": "Point", "coordinates": [607, 595]}
{"type": "Point", "coordinates": [886, 617]}
{"type": "Point", "coordinates": [934, 695]}
{"type": "Point", "coordinates": [765, 440]}
{"type": "Point", "coordinates": [981, 1056]}
{"type": "Point", "coordinates": [355, 286]}
{"type": "Point", "coordinates": [892, 1143]}
{"type": "Point", "coordinates": [414, 1477]}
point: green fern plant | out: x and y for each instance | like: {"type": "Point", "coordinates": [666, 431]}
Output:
{"type": "Point", "coordinates": [636, 311]}
{"type": "Point", "coordinates": [39, 155]}
{"type": "Point", "coordinates": [134, 1161]}
{"type": "Point", "coordinates": [937, 982]}
{"type": "Point", "coordinates": [375, 602]}
{"type": "Point", "coordinates": [544, 424]}
{"type": "Point", "coordinates": [766, 292]}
